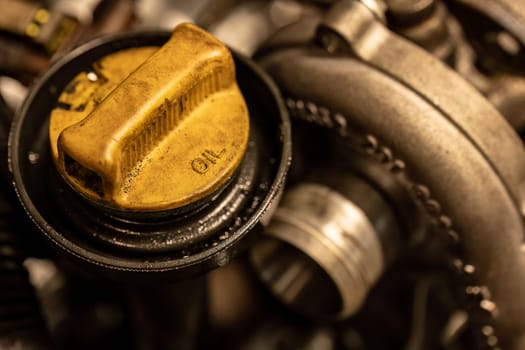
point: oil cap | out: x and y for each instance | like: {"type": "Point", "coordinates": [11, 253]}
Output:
{"type": "Point", "coordinates": [167, 133]}
{"type": "Point", "coordinates": [144, 153]}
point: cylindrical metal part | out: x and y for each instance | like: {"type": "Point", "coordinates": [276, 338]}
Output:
{"type": "Point", "coordinates": [324, 254]}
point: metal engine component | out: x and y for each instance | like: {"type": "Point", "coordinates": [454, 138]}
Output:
{"type": "Point", "coordinates": [335, 233]}
{"type": "Point", "coordinates": [145, 159]}
{"type": "Point", "coordinates": [52, 30]}
{"type": "Point", "coordinates": [424, 117]}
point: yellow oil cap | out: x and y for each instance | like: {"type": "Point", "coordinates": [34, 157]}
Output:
{"type": "Point", "coordinates": [153, 128]}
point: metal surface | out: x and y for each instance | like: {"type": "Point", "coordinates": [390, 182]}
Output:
{"type": "Point", "coordinates": [507, 13]}
{"type": "Point", "coordinates": [337, 235]}
{"type": "Point", "coordinates": [430, 119]}
{"type": "Point", "coordinates": [426, 23]}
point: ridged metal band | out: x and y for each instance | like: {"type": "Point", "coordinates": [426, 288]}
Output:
{"type": "Point", "coordinates": [336, 234]}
